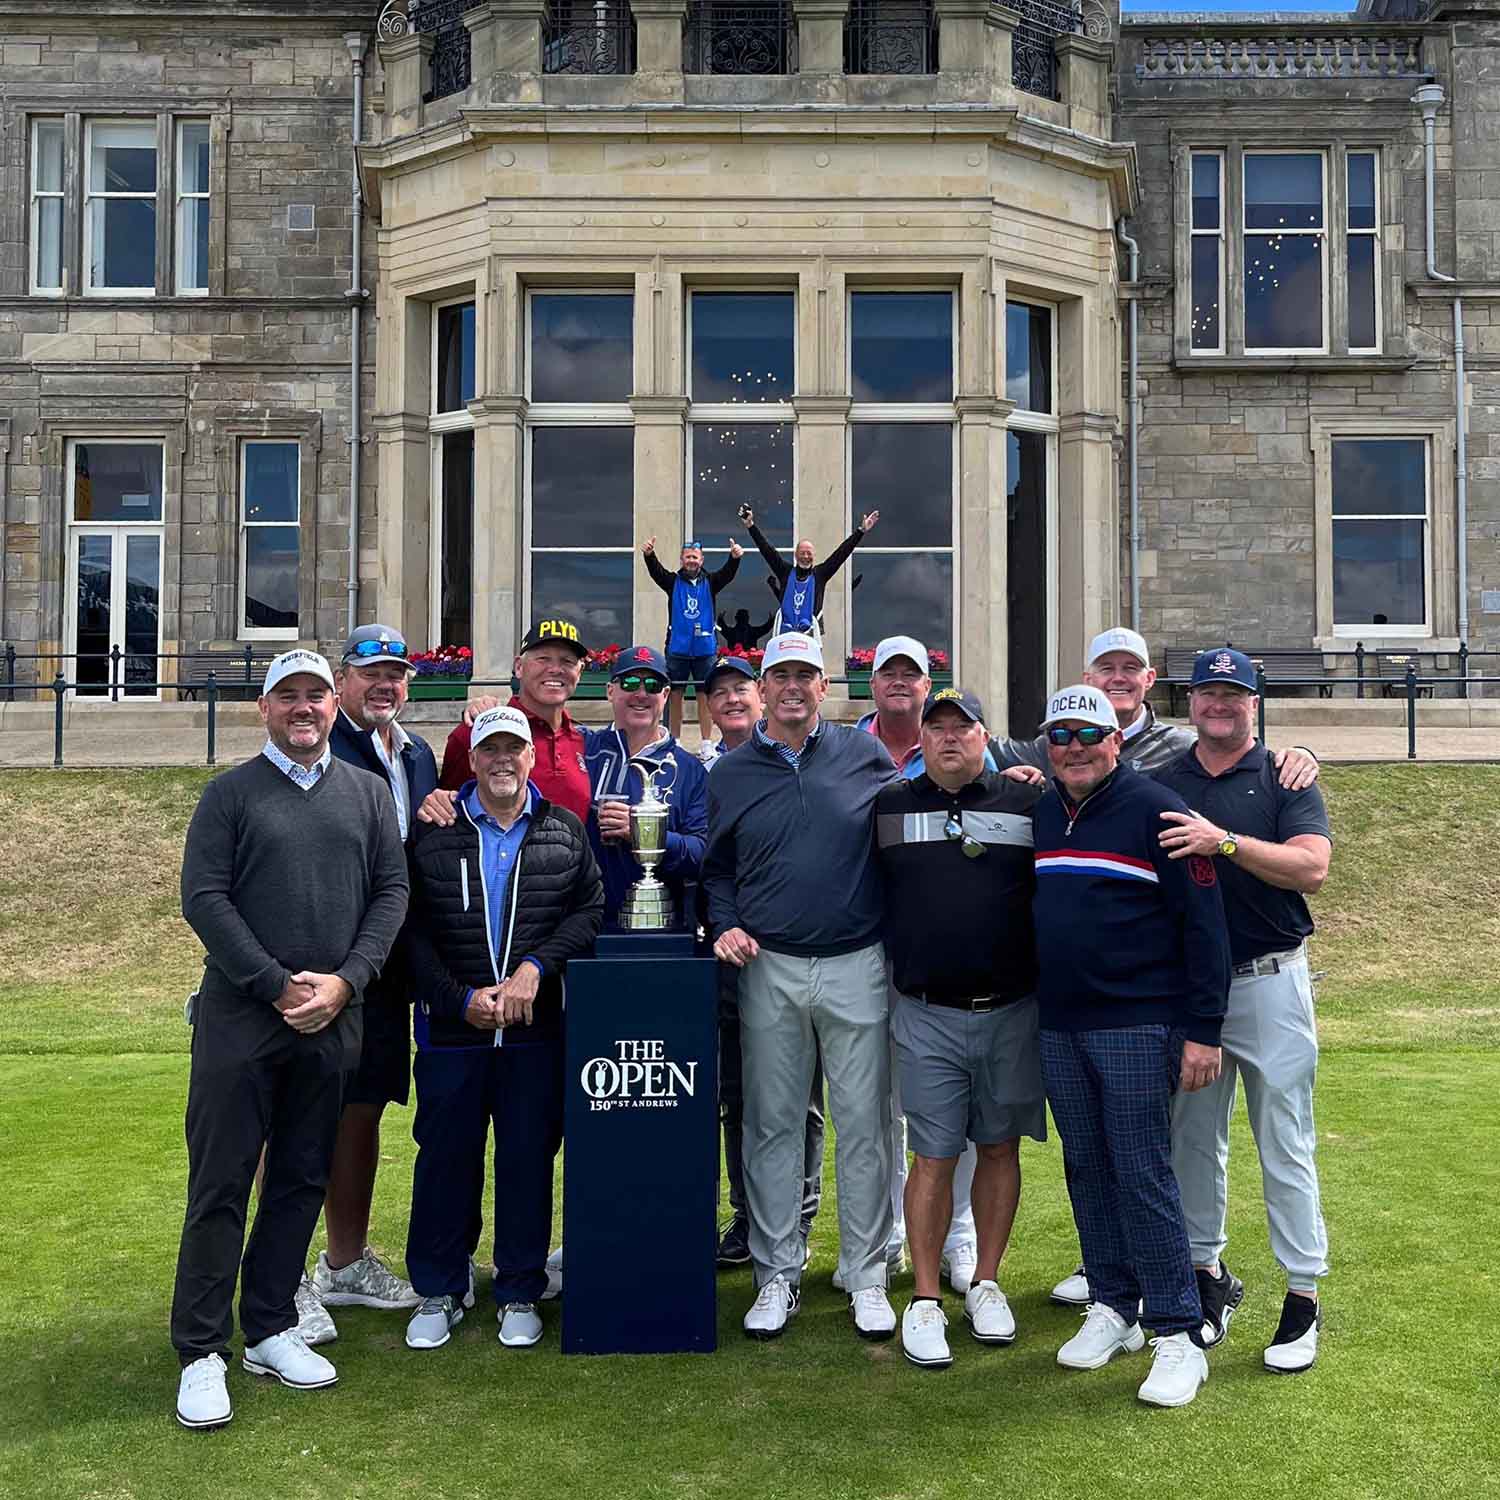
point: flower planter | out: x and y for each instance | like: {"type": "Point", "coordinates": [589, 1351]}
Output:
{"type": "Point", "coordinates": [438, 687]}
{"type": "Point", "coordinates": [859, 683]}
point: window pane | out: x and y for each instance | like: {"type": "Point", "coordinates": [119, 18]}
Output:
{"type": "Point", "coordinates": [92, 616]}
{"type": "Point", "coordinates": [142, 605]}
{"type": "Point", "coordinates": [456, 582]}
{"type": "Point", "coordinates": [1283, 291]}
{"type": "Point", "coordinates": [192, 267]}
{"type": "Point", "coordinates": [744, 346]}
{"type": "Point", "coordinates": [1362, 291]}
{"type": "Point", "coordinates": [124, 243]}
{"type": "Point", "coordinates": [194, 158]}
{"type": "Point", "coordinates": [1362, 191]}
{"type": "Point", "coordinates": [901, 346]}
{"type": "Point", "coordinates": [747, 595]}
{"type": "Point", "coordinates": [1284, 192]}
{"type": "Point", "coordinates": [904, 593]}
{"type": "Point", "coordinates": [270, 482]}
{"type": "Point", "coordinates": [1026, 568]}
{"type": "Point", "coordinates": [737, 464]}
{"type": "Point", "coordinates": [581, 348]}
{"type": "Point", "coordinates": [49, 213]}
{"type": "Point", "coordinates": [117, 482]}
{"type": "Point", "coordinates": [1028, 356]}
{"type": "Point", "coordinates": [905, 471]}
{"type": "Point", "coordinates": [1205, 192]}
{"type": "Point", "coordinates": [455, 356]}
{"type": "Point", "coordinates": [123, 159]}
{"type": "Point", "coordinates": [582, 486]}
{"type": "Point", "coordinates": [592, 588]}
{"type": "Point", "coordinates": [1376, 478]}
{"type": "Point", "coordinates": [1378, 573]}
{"type": "Point", "coordinates": [47, 160]}
{"type": "Point", "coordinates": [1206, 293]}
{"type": "Point", "coordinates": [270, 577]}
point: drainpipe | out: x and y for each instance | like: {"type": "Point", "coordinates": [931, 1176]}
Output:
{"type": "Point", "coordinates": [1133, 426]}
{"type": "Point", "coordinates": [1427, 99]}
{"type": "Point", "coordinates": [356, 294]}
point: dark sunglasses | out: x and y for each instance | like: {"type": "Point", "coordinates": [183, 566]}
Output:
{"type": "Point", "coordinates": [639, 682]}
{"type": "Point", "coordinates": [954, 829]}
{"type": "Point", "coordinates": [366, 649]}
{"type": "Point", "coordinates": [1090, 734]}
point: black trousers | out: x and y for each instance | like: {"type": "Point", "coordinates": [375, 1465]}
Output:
{"type": "Point", "coordinates": [254, 1082]}
{"type": "Point", "coordinates": [732, 1109]}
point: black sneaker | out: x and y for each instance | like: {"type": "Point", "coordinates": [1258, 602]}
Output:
{"type": "Point", "coordinates": [1221, 1296]}
{"type": "Point", "coordinates": [734, 1243]}
{"type": "Point", "coordinates": [1295, 1344]}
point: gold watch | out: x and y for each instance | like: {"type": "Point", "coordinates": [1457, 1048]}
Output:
{"type": "Point", "coordinates": [1229, 846]}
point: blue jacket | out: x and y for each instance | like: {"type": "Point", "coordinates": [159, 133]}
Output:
{"type": "Point", "coordinates": [355, 746]}
{"type": "Point", "coordinates": [687, 819]}
{"type": "Point", "coordinates": [1125, 936]}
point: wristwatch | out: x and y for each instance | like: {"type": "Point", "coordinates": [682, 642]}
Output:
{"type": "Point", "coordinates": [1229, 846]}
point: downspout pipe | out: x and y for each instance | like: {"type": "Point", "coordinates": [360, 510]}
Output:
{"type": "Point", "coordinates": [1428, 98]}
{"type": "Point", "coordinates": [355, 42]}
{"type": "Point", "coordinates": [1133, 428]}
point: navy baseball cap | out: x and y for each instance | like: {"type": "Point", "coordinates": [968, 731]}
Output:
{"type": "Point", "coordinates": [966, 703]}
{"type": "Point", "coordinates": [1223, 665]}
{"type": "Point", "coordinates": [557, 631]}
{"type": "Point", "coordinates": [640, 659]}
{"type": "Point", "coordinates": [728, 664]}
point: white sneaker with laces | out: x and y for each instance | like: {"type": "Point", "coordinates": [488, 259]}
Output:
{"type": "Point", "coordinates": [314, 1321]}
{"type": "Point", "coordinates": [285, 1356]}
{"type": "Point", "coordinates": [520, 1325]}
{"type": "Point", "coordinates": [988, 1314]}
{"type": "Point", "coordinates": [1104, 1334]}
{"type": "Point", "coordinates": [923, 1338]}
{"type": "Point", "coordinates": [1178, 1368]}
{"type": "Point", "coordinates": [774, 1304]}
{"type": "Point", "coordinates": [959, 1265]}
{"type": "Point", "coordinates": [202, 1396]}
{"type": "Point", "coordinates": [1072, 1291]}
{"type": "Point", "coordinates": [366, 1282]}
{"type": "Point", "coordinates": [554, 1275]}
{"type": "Point", "coordinates": [874, 1317]}
{"type": "Point", "coordinates": [432, 1324]}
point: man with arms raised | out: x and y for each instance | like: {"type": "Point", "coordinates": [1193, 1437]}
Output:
{"type": "Point", "coordinates": [794, 901]}
{"type": "Point", "coordinates": [294, 880]}
{"type": "Point", "coordinates": [799, 584]}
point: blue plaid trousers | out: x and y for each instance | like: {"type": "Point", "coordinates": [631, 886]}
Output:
{"type": "Point", "coordinates": [1111, 1095]}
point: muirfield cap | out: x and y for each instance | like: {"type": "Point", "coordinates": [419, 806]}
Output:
{"type": "Point", "coordinates": [966, 703]}
{"type": "Point", "coordinates": [554, 632]}
{"type": "Point", "coordinates": [503, 720]}
{"type": "Point", "coordinates": [1119, 639]}
{"type": "Point", "coordinates": [372, 643]}
{"type": "Point", "coordinates": [902, 645]}
{"type": "Point", "coordinates": [1223, 665]}
{"type": "Point", "coordinates": [733, 664]}
{"type": "Point", "coordinates": [1085, 704]}
{"type": "Point", "coordinates": [791, 647]}
{"type": "Point", "coordinates": [636, 659]}
{"type": "Point", "coordinates": [296, 663]}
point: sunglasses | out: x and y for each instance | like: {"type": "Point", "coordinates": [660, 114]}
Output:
{"type": "Point", "coordinates": [954, 829]}
{"type": "Point", "coordinates": [363, 650]}
{"type": "Point", "coordinates": [1090, 734]}
{"type": "Point", "coordinates": [641, 682]}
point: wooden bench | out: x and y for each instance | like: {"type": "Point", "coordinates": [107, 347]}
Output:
{"type": "Point", "coordinates": [1389, 670]}
{"type": "Point", "coordinates": [237, 676]}
{"type": "Point", "coordinates": [1279, 667]}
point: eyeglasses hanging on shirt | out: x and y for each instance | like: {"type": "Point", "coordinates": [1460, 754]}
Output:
{"type": "Point", "coordinates": [954, 829]}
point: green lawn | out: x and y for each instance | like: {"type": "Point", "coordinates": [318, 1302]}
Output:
{"type": "Point", "coordinates": [93, 966]}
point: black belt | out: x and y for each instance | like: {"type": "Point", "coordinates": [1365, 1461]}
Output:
{"type": "Point", "coordinates": [979, 1005]}
{"type": "Point", "coordinates": [1268, 963]}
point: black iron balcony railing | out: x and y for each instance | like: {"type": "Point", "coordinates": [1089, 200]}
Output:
{"type": "Point", "coordinates": [588, 36]}
{"type": "Point", "coordinates": [890, 36]}
{"type": "Point", "coordinates": [450, 43]}
{"type": "Point", "coordinates": [740, 38]}
{"type": "Point", "coordinates": [1033, 62]}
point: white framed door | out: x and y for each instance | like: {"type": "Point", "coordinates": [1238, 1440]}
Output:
{"type": "Point", "coordinates": [114, 601]}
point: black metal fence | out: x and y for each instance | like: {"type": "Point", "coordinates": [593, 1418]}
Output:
{"type": "Point", "coordinates": [891, 36]}
{"type": "Point", "coordinates": [740, 38]}
{"type": "Point", "coordinates": [588, 36]}
{"type": "Point", "coordinates": [1033, 67]}
{"type": "Point", "coordinates": [451, 59]}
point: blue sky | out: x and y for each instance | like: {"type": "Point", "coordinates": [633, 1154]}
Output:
{"type": "Point", "coordinates": [1340, 6]}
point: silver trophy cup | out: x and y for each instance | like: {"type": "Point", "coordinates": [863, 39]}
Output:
{"type": "Point", "coordinates": [648, 903]}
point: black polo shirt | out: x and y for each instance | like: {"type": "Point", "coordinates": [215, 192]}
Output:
{"type": "Point", "coordinates": [1249, 799]}
{"type": "Point", "coordinates": [958, 927]}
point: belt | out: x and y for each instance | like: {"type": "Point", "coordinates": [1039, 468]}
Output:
{"type": "Point", "coordinates": [979, 1005]}
{"type": "Point", "coordinates": [1269, 963]}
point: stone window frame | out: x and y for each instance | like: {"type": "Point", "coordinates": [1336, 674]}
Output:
{"type": "Point", "coordinates": [439, 425]}
{"type": "Point", "coordinates": [166, 113]}
{"type": "Point", "coordinates": [1379, 133]}
{"type": "Point", "coordinates": [1442, 566]}
{"type": "Point", "coordinates": [231, 430]}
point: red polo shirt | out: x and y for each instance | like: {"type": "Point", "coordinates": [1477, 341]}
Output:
{"type": "Point", "coordinates": [561, 774]}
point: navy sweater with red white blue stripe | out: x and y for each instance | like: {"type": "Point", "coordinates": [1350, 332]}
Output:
{"type": "Point", "coordinates": [1125, 936]}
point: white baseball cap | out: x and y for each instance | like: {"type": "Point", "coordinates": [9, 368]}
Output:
{"type": "Point", "coordinates": [295, 662]}
{"type": "Point", "coordinates": [1119, 639]}
{"type": "Point", "coordinates": [1087, 704]}
{"type": "Point", "coordinates": [902, 645]}
{"type": "Point", "coordinates": [503, 720]}
{"type": "Point", "coordinates": [791, 647]}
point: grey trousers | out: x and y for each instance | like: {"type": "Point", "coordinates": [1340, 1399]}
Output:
{"type": "Point", "coordinates": [790, 1010]}
{"type": "Point", "coordinates": [1270, 1040]}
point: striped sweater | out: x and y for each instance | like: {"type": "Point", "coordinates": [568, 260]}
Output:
{"type": "Point", "coordinates": [1125, 936]}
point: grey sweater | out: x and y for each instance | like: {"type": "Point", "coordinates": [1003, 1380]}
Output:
{"type": "Point", "coordinates": [276, 879]}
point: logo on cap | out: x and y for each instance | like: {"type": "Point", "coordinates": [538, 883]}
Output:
{"type": "Point", "coordinates": [1223, 662]}
{"type": "Point", "coordinates": [643, 654]}
{"type": "Point", "coordinates": [562, 628]}
{"type": "Point", "coordinates": [948, 695]}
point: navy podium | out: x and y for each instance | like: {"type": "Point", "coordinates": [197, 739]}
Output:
{"type": "Point", "coordinates": [641, 1157]}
